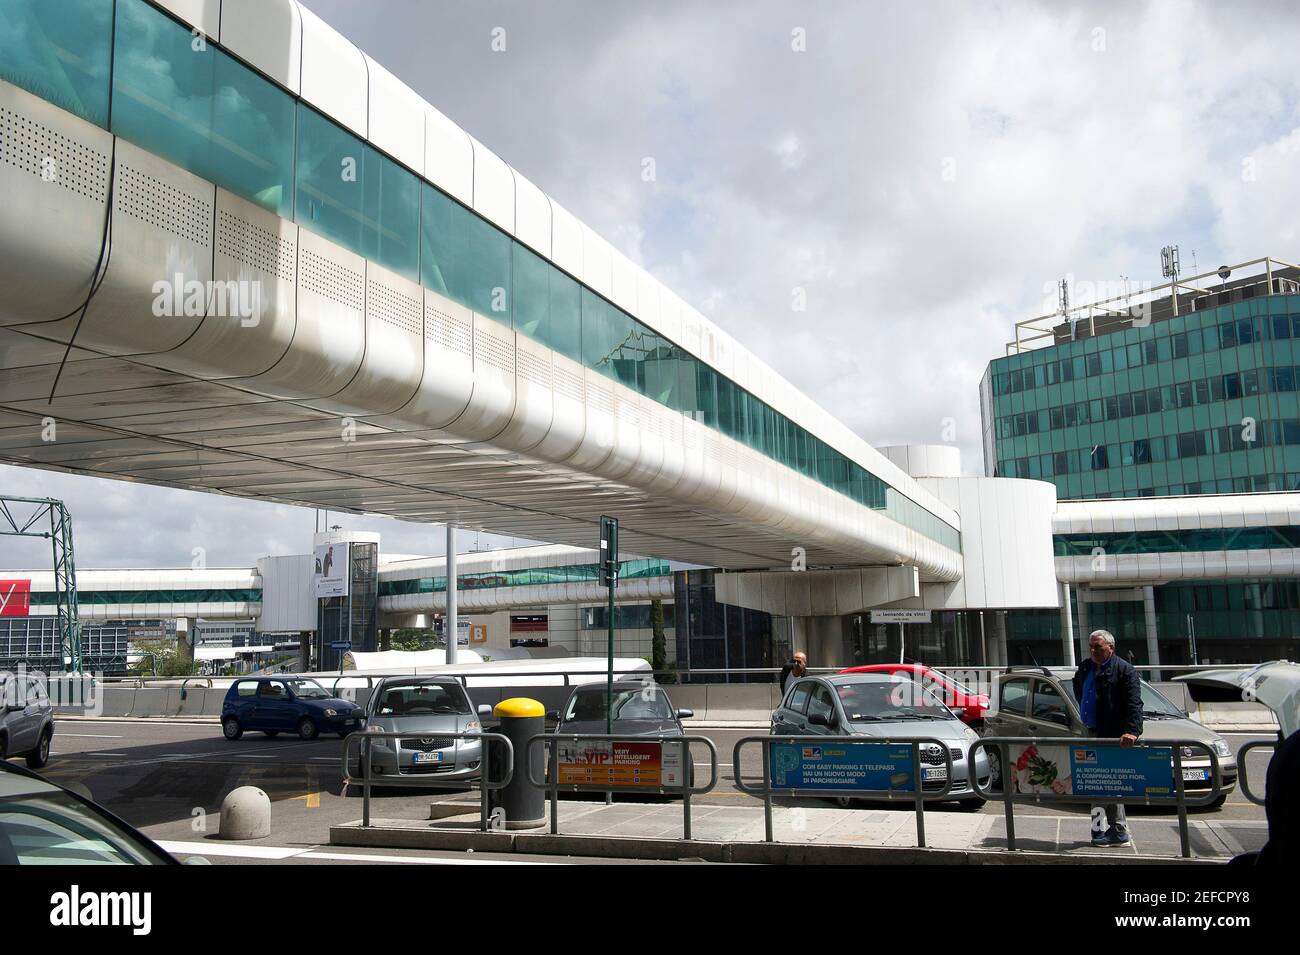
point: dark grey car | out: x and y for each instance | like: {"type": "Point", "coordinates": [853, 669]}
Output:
{"type": "Point", "coordinates": [640, 709]}
{"type": "Point", "coordinates": [26, 719]}
{"type": "Point", "coordinates": [884, 706]}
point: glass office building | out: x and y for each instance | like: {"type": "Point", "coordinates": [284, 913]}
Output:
{"type": "Point", "coordinates": [1202, 399]}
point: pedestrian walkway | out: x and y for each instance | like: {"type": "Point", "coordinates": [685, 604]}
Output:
{"type": "Point", "coordinates": [630, 828]}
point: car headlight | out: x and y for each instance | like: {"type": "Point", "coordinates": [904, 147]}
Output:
{"type": "Point", "coordinates": [331, 712]}
{"type": "Point", "coordinates": [1222, 748]}
{"type": "Point", "coordinates": [473, 726]}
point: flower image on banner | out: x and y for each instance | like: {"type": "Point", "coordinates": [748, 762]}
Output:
{"type": "Point", "coordinates": [1042, 769]}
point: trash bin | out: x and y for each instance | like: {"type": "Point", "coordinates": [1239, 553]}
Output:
{"type": "Point", "coordinates": [524, 804]}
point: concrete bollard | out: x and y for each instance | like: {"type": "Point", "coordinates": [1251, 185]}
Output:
{"type": "Point", "coordinates": [245, 814]}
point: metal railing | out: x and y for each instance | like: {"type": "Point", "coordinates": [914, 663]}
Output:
{"type": "Point", "coordinates": [1242, 779]}
{"type": "Point", "coordinates": [430, 781]}
{"type": "Point", "coordinates": [1178, 800]}
{"type": "Point", "coordinates": [918, 795]}
{"type": "Point", "coordinates": [686, 789]}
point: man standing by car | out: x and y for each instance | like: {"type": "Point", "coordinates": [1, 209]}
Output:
{"type": "Point", "coordinates": [1109, 692]}
{"type": "Point", "coordinates": [797, 667]}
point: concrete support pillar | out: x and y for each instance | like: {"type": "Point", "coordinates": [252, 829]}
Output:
{"type": "Point", "coordinates": [185, 641]}
{"type": "Point", "coordinates": [1000, 624]}
{"type": "Point", "coordinates": [1084, 631]}
{"type": "Point", "coordinates": [985, 651]}
{"type": "Point", "coordinates": [453, 631]}
{"type": "Point", "coordinates": [1153, 637]}
{"type": "Point", "coordinates": [304, 651]}
{"type": "Point", "coordinates": [1067, 626]}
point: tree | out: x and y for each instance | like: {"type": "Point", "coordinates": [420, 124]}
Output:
{"type": "Point", "coordinates": [163, 658]}
{"type": "Point", "coordinates": [659, 645]}
{"type": "Point", "coordinates": [411, 639]}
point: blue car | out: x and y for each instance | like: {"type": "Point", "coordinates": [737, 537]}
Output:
{"type": "Point", "coordinates": [275, 705]}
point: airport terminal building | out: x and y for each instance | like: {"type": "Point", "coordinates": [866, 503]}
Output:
{"type": "Point", "coordinates": [408, 327]}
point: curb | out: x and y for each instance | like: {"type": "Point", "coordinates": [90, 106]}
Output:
{"type": "Point", "coordinates": [381, 836]}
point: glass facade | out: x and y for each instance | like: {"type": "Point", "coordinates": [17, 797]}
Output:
{"type": "Point", "coordinates": [528, 576]}
{"type": "Point", "coordinates": [713, 635]}
{"type": "Point", "coordinates": [1234, 621]}
{"type": "Point", "coordinates": [205, 111]}
{"type": "Point", "coordinates": [1203, 403]}
{"type": "Point", "coordinates": [175, 596]}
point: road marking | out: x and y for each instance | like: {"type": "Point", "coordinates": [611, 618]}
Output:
{"type": "Point", "coordinates": [121, 755]}
{"type": "Point", "coordinates": [285, 852]}
{"type": "Point", "coordinates": [87, 736]}
{"type": "Point", "coordinates": [312, 799]}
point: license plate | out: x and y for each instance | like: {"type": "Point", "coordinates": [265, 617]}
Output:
{"type": "Point", "coordinates": [933, 772]}
{"type": "Point", "coordinates": [1195, 775]}
{"type": "Point", "coordinates": [428, 757]}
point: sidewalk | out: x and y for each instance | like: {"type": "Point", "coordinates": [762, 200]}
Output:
{"type": "Point", "coordinates": [830, 835]}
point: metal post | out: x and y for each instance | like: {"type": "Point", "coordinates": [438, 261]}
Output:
{"type": "Point", "coordinates": [767, 787]}
{"type": "Point", "coordinates": [555, 786]}
{"type": "Point", "coordinates": [485, 749]}
{"type": "Point", "coordinates": [365, 785]}
{"type": "Point", "coordinates": [1183, 836]}
{"type": "Point", "coordinates": [1004, 757]}
{"type": "Point", "coordinates": [453, 629]}
{"type": "Point", "coordinates": [686, 788]}
{"type": "Point", "coordinates": [920, 794]}
{"type": "Point", "coordinates": [609, 675]}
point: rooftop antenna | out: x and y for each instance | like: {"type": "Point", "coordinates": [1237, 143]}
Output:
{"type": "Point", "coordinates": [1063, 303]}
{"type": "Point", "coordinates": [1169, 268]}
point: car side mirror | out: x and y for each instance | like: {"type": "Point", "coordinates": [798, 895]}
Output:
{"type": "Point", "coordinates": [959, 712]}
{"type": "Point", "coordinates": [817, 719]}
{"type": "Point", "coordinates": [1059, 718]}
{"type": "Point", "coordinates": [553, 715]}
{"type": "Point", "coordinates": [484, 710]}
{"type": "Point", "coordinates": [685, 714]}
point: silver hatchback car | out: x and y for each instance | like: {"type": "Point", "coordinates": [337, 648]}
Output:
{"type": "Point", "coordinates": [428, 708]}
{"type": "Point", "coordinates": [884, 706]}
{"type": "Point", "coordinates": [26, 719]}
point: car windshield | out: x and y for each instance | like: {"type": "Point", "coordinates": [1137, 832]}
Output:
{"type": "Point", "coordinates": [422, 699]}
{"type": "Point", "coordinates": [52, 828]}
{"type": "Point", "coordinates": [640, 704]}
{"type": "Point", "coordinates": [308, 690]}
{"type": "Point", "coordinates": [1155, 705]}
{"type": "Point", "coordinates": [878, 701]}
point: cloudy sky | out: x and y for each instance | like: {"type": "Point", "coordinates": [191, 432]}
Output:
{"type": "Point", "coordinates": [924, 172]}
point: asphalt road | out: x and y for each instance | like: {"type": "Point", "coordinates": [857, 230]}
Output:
{"type": "Point", "coordinates": [169, 780]}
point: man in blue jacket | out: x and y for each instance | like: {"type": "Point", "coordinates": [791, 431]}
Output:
{"type": "Point", "coordinates": [1109, 692]}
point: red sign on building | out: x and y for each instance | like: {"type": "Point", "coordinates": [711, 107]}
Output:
{"type": "Point", "coordinates": [15, 598]}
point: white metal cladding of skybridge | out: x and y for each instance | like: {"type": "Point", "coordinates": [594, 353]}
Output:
{"type": "Point", "coordinates": [288, 70]}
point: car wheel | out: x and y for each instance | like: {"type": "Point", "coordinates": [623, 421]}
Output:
{"type": "Point", "coordinates": [1218, 802]}
{"type": "Point", "coordinates": [307, 729]}
{"type": "Point", "coordinates": [230, 726]}
{"type": "Point", "coordinates": [271, 733]}
{"type": "Point", "coordinates": [974, 804]}
{"type": "Point", "coordinates": [41, 754]}
{"type": "Point", "coordinates": [4, 747]}
{"type": "Point", "coordinates": [844, 802]}
{"type": "Point", "coordinates": [995, 767]}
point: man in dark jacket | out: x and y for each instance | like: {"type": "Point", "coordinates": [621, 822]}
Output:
{"type": "Point", "coordinates": [797, 667]}
{"type": "Point", "coordinates": [1109, 692]}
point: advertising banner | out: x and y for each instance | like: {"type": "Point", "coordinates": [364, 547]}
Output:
{"type": "Point", "coordinates": [15, 598]}
{"type": "Point", "coordinates": [332, 570]}
{"type": "Point", "coordinates": [877, 767]}
{"type": "Point", "coordinates": [615, 764]}
{"type": "Point", "coordinates": [1081, 770]}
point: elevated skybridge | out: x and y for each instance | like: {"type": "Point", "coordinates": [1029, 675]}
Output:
{"type": "Point", "coordinates": [267, 268]}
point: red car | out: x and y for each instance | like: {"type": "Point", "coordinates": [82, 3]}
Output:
{"type": "Point", "coordinates": [950, 691]}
